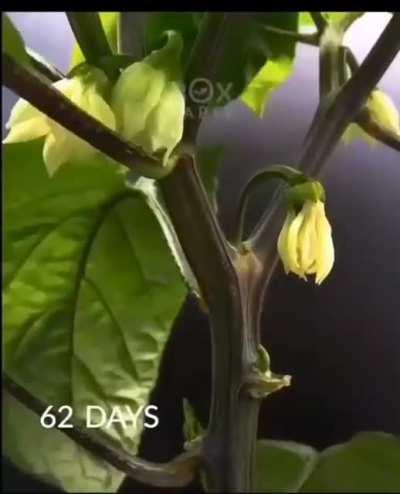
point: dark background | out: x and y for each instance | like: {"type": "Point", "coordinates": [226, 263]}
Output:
{"type": "Point", "coordinates": [340, 341]}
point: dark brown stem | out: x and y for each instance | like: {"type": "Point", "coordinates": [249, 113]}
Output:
{"type": "Point", "coordinates": [38, 91]}
{"type": "Point", "coordinates": [230, 440]}
{"type": "Point", "coordinates": [175, 473]}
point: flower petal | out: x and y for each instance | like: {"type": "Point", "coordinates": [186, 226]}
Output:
{"type": "Point", "coordinates": [293, 245]}
{"type": "Point", "coordinates": [53, 154]}
{"type": "Point", "coordinates": [282, 241]}
{"type": "Point", "coordinates": [25, 123]}
{"type": "Point", "coordinates": [164, 126]}
{"type": "Point", "coordinates": [307, 241]}
{"type": "Point", "coordinates": [136, 93]}
{"type": "Point", "coordinates": [326, 251]}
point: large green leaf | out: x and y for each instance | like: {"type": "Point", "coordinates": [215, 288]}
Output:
{"type": "Point", "coordinates": [369, 462]}
{"type": "Point", "coordinates": [279, 65]}
{"type": "Point", "coordinates": [243, 47]}
{"type": "Point", "coordinates": [90, 292]}
{"type": "Point", "coordinates": [11, 41]}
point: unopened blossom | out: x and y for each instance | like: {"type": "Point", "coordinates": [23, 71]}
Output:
{"type": "Point", "coordinates": [305, 242]}
{"type": "Point", "coordinates": [149, 103]}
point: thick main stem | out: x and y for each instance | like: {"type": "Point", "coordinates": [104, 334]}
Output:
{"type": "Point", "coordinates": [230, 441]}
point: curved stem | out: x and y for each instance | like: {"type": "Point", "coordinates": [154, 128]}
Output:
{"type": "Point", "coordinates": [175, 473]}
{"type": "Point", "coordinates": [290, 175]}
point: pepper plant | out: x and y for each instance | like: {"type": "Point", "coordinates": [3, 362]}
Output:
{"type": "Point", "coordinates": [111, 219]}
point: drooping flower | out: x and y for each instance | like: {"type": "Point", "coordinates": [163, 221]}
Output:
{"type": "Point", "coordinates": [148, 100]}
{"type": "Point", "coordinates": [305, 243]}
{"type": "Point", "coordinates": [86, 90]}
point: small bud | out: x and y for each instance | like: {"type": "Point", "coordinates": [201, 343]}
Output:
{"type": "Point", "coordinates": [148, 101]}
{"type": "Point", "coordinates": [380, 110]}
{"type": "Point", "coordinates": [85, 90]}
{"type": "Point", "coordinates": [305, 243]}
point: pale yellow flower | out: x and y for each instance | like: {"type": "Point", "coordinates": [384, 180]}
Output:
{"type": "Point", "coordinates": [305, 243]}
{"type": "Point", "coordinates": [149, 103]}
{"type": "Point", "coordinates": [26, 122]}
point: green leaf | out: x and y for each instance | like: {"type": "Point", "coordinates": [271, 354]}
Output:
{"type": "Point", "coordinates": [12, 42]}
{"type": "Point", "coordinates": [109, 20]}
{"type": "Point", "coordinates": [270, 78]}
{"type": "Point", "coordinates": [186, 23]}
{"type": "Point", "coordinates": [369, 462]}
{"type": "Point", "coordinates": [282, 466]}
{"type": "Point", "coordinates": [279, 66]}
{"type": "Point", "coordinates": [306, 23]}
{"type": "Point", "coordinates": [343, 20]}
{"type": "Point", "coordinates": [244, 48]}
{"type": "Point", "coordinates": [90, 293]}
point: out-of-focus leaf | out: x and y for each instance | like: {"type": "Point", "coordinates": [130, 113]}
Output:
{"type": "Point", "coordinates": [370, 462]}
{"type": "Point", "coordinates": [282, 466]}
{"type": "Point", "coordinates": [306, 23]}
{"type": "Point", "coordinates": [90, 292]}
{"type": "Point", "coordinates": [279, 65]}
{"type": "Point", "coordinates": [11, 41]}
{"type": "Point", "coordinates": [342, 19]}
{"type": "Point", "coordinates": [269, 79]}
{"type": "Point", "coordinates": [109, 21]}
{"type": "Point", "coordinates": [186, 23]}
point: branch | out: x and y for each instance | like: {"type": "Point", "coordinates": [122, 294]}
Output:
{"type": "Point", "coordinates": [176, 473]}
{"type": "Point", "coordinates": [89, 34]}
{"type": "Point", "coordinates": [198, 231]}
{"type": "Point", "coordinates": [319, 21]}
{"type": "Point", "coordinates": [38, 91]}
{"type": "Point", "coordinates": [200, 66]}
{"type": "Point", "coordinates": [330, 121]}
{"type": "Point", "coordinates": [44, 67]}
{"type": "Point", "coordinates": [306, 38]}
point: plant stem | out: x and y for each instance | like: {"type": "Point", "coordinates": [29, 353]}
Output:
{"type": "Point", "coordinates": [306, 38]}
{"type": "Point", "coordinates": [90, 35]}
{"type": "Point", "coordinates": [230, 440]}
{"type": "Point", "coordinates": [178, 472]}
{"type": "Point", "coordinates": [319, 21]}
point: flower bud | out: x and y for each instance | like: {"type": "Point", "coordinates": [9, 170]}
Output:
{"type": "Point", "coordinates": [86, 90]}
{"type": "Point", "coordinates": [380, 110]}
{"type": "Point", "coordinates": [148, 101]}
{"type": "Point", "coordinates": [305, 243]}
